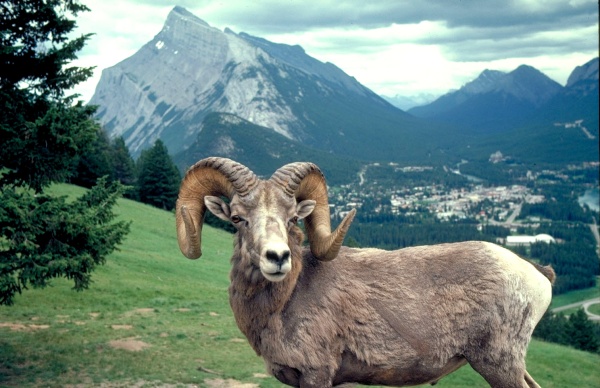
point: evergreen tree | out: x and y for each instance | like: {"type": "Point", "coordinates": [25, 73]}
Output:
{"type": "Point", "coordinates": [552, 328]}
{"type": "Point", "coordinates": [576, 330]}
{"type": "Point", "coordinates": [42, 135]}
{"type": "Point", "coordinates": [581, 332]}
{"type": "Point", "coordinates": [123, 165]}
{"type": "Point", "coordinates": [96, 163]}
{"type": "Point", "coordinates": [158, 177]}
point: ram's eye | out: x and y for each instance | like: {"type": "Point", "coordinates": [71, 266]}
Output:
{"type": "Point", "coordinates": [294, 220]}
{"type": "Point", "coordinates": [235, 219]}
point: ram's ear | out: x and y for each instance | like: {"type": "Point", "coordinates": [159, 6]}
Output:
{"type": "Point", "coordinates": [304, 208]}
{"type": "Point", "coordinates": [218, 207]}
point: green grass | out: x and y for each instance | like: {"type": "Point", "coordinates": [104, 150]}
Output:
{"type": "Point", "coordinates": [576, 296]}
{"type": "Point", "coordinates": [149, 293]}
{"type": "Point", "coordinates": [594, 309]}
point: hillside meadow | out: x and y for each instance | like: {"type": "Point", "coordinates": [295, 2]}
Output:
{"type": "Point", "coordinates": [153, 318]}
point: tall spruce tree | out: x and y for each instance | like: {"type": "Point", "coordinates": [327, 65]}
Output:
{"type": "Point", "coordinates": [124, 167]}
{"type": "Point", "coordinates": [43, 133]}
{"type": "Point", "coordinates": [158, 177]}
{"type": "Point", "coordinates": [96, 163]}
{"type": "Point", "coordinates": [581, 333]}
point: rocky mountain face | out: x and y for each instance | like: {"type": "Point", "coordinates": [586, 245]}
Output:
{"type": "Point", "coordinates": [261, 149]}
{"type": "Point", "coordinates": [584, 73]}
{"type": "Point", "coordinates": [561, 129]}
{"type": "Point", "coordinates": [494, 101]}
{"type": "Point", "coordinates": [204, 92]}
{"type": "Point", "coordinates": [578, 100]}
{"type": "Point", "coordinates": [188, 69]}
{"type": "Point", "coordinates": [191, 69]}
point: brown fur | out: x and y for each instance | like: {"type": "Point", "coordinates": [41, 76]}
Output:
{"type": "Point", "coordinates": [324, 316]}
{"type": "Point", "coordinates": [397, 318]}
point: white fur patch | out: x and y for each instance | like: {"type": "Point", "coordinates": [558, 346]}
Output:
{"type": "Point", "coordinates": [529, 283]}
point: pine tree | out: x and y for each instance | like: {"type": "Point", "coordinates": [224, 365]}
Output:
{"type": "Point", "coordinates": [96, 163]}
{"type": "Point", "coordinates": [552, 328]}
{"type": "Point", "coordinates": [43, 134]}
{"type": "Point", "coordinates": [158, 177]}
{"type": "Point", "coordinates": [581, 332]}
{"type": "Point", "coordinates": [123, 165]}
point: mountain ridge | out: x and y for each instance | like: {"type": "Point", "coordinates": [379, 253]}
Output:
{"type": "Point", "coordinates": [190, 70]}
{"type": "Point", "coordinates": [494, 102]}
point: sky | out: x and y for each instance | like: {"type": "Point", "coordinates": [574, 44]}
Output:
{"type": "Point", "coordinates": [394, 47]}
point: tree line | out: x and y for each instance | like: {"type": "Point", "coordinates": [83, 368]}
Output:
{"type": "Point", "coordinates": [152, 179]}
{"type": "Point", "coordinates": [395, 234]}
{"type": "Point", "coordinates": [557, 211]}
{"type": "Point", "coordinates": [574, 258]}
{"type": "Point", "coordinates": [575, 330]}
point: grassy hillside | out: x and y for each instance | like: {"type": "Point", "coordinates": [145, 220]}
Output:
{"type": "Point", "coordinates": [154, 318]}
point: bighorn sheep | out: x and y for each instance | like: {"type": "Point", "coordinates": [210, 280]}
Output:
{"type": "Point", "coordinates": [403, 317]}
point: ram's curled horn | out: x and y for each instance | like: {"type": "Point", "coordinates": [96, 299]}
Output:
{"type": "Point", "coordinates": [306, 181]}
{"type": "Point", "coordinates": [210, 176]}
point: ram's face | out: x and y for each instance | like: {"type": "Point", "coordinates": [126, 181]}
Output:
{"type": "Point", "coordinates": [264, 222]}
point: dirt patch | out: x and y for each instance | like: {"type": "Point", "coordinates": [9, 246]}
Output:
{"type": "Point", "coordinates": [229, 383]}
{"type": "Point", "coordinates": [121, 327]}
{"type": "Point", "coordinates": [22, 327]}
{"type": "Point", "coordinates": [129, 344]}
{"type": "Point", "coordinates": [261, 375]}
{"type": "Point", "coordinates": [131, 384]}
{"type": "Point", "coordinates": [144, 311]}
{"type": "Point", "coordinates": [183, 310]}
{"type": "Point", "coordinates": [237, 340]}
{"type": "Point", "coordinates": [213, 314]}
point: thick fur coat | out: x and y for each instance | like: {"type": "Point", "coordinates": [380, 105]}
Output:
{"type": "Point", "coordinates": [401, 317]}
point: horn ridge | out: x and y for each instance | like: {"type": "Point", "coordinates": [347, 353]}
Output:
{"type": "Point", "coordinates": [240, 176]}
{"type": "Point", "coordinates": [290, 176]}
{"type": "Point", "coordinates": [210, 176]}
{"type": "Point", "coordinates": [304, 180]}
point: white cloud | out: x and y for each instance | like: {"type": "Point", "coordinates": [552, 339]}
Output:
{"type": "Point", "coordinates": [391, 47]}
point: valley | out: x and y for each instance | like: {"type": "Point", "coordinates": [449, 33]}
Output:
{"type": "Point", "coordinates": [510, 153]}
{"type": "Point", "coordinates": [447, 195]}
{"type": "Point", "coordinates": [204, 91]}
{"type": "Point", "coordinates": [510, 157]}
{"type": "Point", "coordinates": [418, 205]}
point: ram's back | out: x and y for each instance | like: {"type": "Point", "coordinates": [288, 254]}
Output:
{"type": "Point", "coordinates": [416, 301]}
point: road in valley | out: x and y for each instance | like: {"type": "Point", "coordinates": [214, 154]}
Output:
{"type": "Point", "coordinates": [594, 228]}
{"type": "Point", "coordinates": [585, 304]}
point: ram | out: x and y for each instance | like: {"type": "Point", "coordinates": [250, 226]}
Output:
{"type": "Point", "coordinates": [404, 317]}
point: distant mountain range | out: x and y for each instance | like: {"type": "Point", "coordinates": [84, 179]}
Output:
{"type": "Point", "coordinates": [494, 101]}
{"type": "Point", "coordinates": [209, 92]}
{"type": "Point", "coordinates": [405, 102]}
{"type": "Point", "coordinates": [525, 114]}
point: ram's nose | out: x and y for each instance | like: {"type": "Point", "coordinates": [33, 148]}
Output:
{"type": "Point", "coordinates": [276, 262]}
{"type": "Point", "coordinates": [278, 257]}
